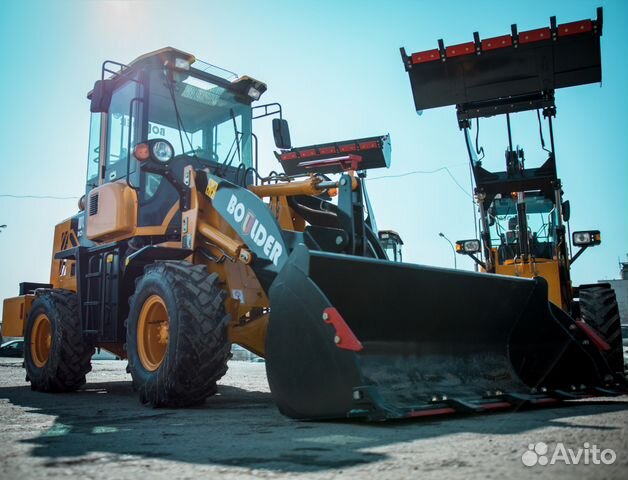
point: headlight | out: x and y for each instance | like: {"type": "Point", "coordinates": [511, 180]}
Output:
{"type": "Point", "coordinates": [162, 151]}
{"type": "Point", "coordinates": [467, 246]}
{"type": "Point", "coordinates": [586, 238]}
{"type": "Point", "coordinates": [181, 64]}
{"type": "Point", "coordinates": [254, 93]}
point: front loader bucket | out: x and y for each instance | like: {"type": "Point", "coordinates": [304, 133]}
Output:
{"type": "Point", "coordinates": [357, 337]}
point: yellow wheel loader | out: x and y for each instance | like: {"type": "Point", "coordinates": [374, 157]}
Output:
{"type": "Point", "coordinates": [181, 248]}
{"type": "Point", "coordinates": [523, 217]}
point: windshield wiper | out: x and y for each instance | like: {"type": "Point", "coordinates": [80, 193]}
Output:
{"type": "Point", "coordinates": [236, 141]}
{"type": "Point", "coordinates": [180, 126]}
{"type": "Point", "coordinates": [236, 133]}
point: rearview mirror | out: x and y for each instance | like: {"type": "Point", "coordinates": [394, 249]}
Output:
{"type": "Point", "coordinates": [281, 134]}
{"type": "Point", "coordinates": [566, 211]}
{"type": "Point", "coordinates": [101, 96]}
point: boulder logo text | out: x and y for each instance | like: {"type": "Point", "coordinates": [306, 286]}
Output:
{"type": "Point", "coordinates": [252, 227]}
{"type": "Point", "coordinates": [539, 454]}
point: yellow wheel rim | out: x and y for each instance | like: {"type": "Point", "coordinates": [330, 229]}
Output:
{"type": "Point", "coordinates": [41, 339]}
{"type": "Point", "coordinates": [152, 333]}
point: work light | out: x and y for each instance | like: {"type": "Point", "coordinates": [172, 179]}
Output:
{"type": "Point", "coordinates": [467, 246]}
{"type": "Point", "coordinates": [181, 64]}
{"type": "Point", "coordinates": [254, 93]}
{"type": "Point", "coordinates": [586, 238]}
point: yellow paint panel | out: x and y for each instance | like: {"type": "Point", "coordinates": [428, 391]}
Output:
{"type": "Point", "coordinates": [15, 314]}
{"type": "Point", "coordinates": [111, 212]}
{"type": "Point", "coordinates": [547, 269]}
{"type": "Point", "coordinates": [61, 271]}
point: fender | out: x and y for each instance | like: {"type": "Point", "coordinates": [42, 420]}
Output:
{"type": "Point", "coordinates": [250, 217]}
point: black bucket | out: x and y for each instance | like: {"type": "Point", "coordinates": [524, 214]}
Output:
{"type": "Point", "coordinates": [351, 336]}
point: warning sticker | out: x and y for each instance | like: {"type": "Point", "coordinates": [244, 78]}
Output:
{"type": "Point", "coordinates": [212, 188]}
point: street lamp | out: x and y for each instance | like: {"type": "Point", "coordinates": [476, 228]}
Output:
{"type": "Point", "coordinates": [441, 234]}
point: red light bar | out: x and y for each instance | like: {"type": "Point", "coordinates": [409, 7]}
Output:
{"type": "Point", "coordinates": [368, 145]}
{"type": "Point", "coordinates": [351, 147]}
{"type": "Point", "coordinates": [374, 152]}
{"type": "Point", "coordinates": [574, 28]}
{"type": "Point", "coordinates": [327, 150]}
{"type": "Point", "coordinates": [427, 56]}
{"type": "Point", "coordinates": [535, 35]}
{"type": "Point", "coordinates": [289, 156]}
{"type": "Point", "coordinates": [461, 49]}
{"type": "Point", "coordinates": [496, 42]}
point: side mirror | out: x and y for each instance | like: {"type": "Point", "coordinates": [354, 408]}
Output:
{"type": "Point", "coordinates": [101, 96]}
{"type": "Point", "coordinates": [566, 211]}
{"type": "Point", "coordinates": [491, 213]}
{"type": "Point", "coordinates": [281, 134]}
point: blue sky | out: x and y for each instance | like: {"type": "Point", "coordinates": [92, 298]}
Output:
{"type": "Point", "coordinates": [335, 67]}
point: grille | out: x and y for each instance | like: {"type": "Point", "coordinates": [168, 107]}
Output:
{"type": "Point", "coordinates": [93, 204]}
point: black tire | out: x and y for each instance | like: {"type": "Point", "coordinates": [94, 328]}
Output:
{"type": "Point", "coordinates": [197, 349]}
{"type": "Point", "coordinates": [69, 359]}
{"type": "Point", "coordinates": [598, 308]}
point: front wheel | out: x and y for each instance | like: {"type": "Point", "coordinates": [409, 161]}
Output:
{"type": "Point", "coordinates": [599, 309]}
{"type": "Point", "coordinates": [177, 341]}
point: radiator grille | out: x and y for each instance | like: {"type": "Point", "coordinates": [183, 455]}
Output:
{"type": "Point", "coordinates": [93, 204]}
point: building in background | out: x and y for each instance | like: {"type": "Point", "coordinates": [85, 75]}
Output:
{"type": "Point", "coordinates": [621, 291]}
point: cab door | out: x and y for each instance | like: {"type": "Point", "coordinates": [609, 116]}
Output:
{"type": "Point", "coordinates": [112, 205]}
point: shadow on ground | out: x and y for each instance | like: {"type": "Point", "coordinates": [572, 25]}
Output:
{"type": "Point", "coordinates": [239, 428]}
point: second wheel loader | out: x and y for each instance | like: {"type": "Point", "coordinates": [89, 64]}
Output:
{"type": "Point", "coordinates": [523, 217]}
{"type": "Point", "coordinates": [181, 247]}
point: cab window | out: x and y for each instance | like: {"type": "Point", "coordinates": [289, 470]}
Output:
{"type": "Point", "coordinates": [93, 153]}
{"type": "Point", "coordinates": [122, 130]}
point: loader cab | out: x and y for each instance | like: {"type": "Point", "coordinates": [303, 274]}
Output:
{"type": "Point", "coordinates": [505, 229]}
{"type": "Point", "coordinates": [201, 112]}
{"type": "Point", "coordinates": [392, 244]}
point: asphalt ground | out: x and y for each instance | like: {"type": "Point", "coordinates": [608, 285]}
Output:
{"type": "Point", "coordinates": [103, 432]}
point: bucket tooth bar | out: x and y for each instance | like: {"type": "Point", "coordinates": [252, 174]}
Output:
{"type": "Point", "coordinates": [509, 73]}
{"type": "Point", "coordinates": [370, 405]}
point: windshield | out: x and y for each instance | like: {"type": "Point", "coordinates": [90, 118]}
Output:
{"type": "Point", "coordinates": [541, 225]}
{"type": "Point", "coordinates": [208, 122]}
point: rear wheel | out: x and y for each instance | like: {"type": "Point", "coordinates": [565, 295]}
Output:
{"type": "Point", "coordinates": [598, 308]}
{"type": "Point", "coordinates": [55, 355]}
{"type": "Point", "coordinates": [177, 341]}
